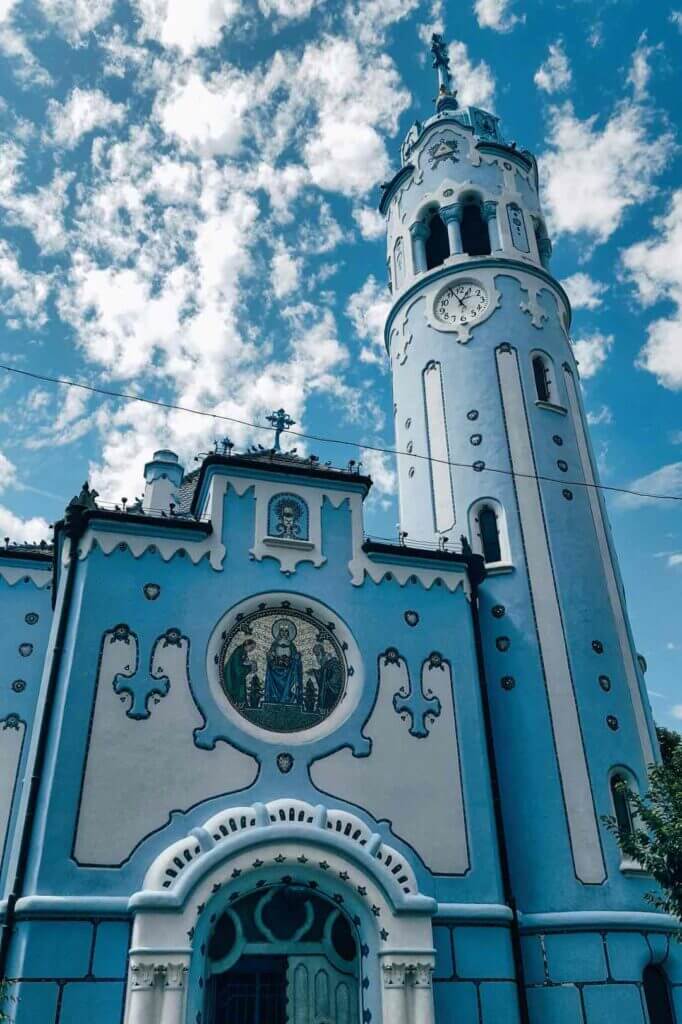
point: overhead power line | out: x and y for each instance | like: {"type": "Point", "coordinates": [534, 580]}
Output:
{"type": "Point", "coordinates": [125, 396]}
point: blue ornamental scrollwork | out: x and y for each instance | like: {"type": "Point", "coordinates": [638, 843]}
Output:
{"type": "Point", "coordinates": [421, 707]}
{"type": "Point", "coordinates": [288, 517]}
{"type": "Point", "coordinates": [143, 689]}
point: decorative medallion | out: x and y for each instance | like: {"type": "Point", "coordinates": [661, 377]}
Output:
{"type": "Point", "coordinates": [478, 466]}
{"type": "Point", "coordinates": [444, 150]}
{"type": "Point", "coordinates": [25, 650]}
{"type": "Point", "coordinates": [605, 683]}
{"type": "Point", "coordinates": [282, 669]}
{"type": "Point", "coordinates": [31, 618]}
{"type": "Point", "coordinates": [285, 762]}
{"type": "Point", "coordinates": [558, 440]}
{"type": "Point", "coordinates": [18, 685]}
{"type": "Point", "coordinates": [472, 414]}
{"type": "Point", "coordinates": [503, 643]}
{"type": "Point", "coordinates": [476, 439]}
{"type": "Point", "coordinates": [612, 722]}
{"type": "Point", "coordinates": [508, 682]}
{"type": "Point", "coordinates": [288, 517]}
{"type": "Point", "coordinates": [498, 611]}
{"type": "Point", "coordinates": [568, 495]}
{"type": "Point", "coordinates": [597, 647]}
{"type": "Point", "coordinates": [151, 591]}
{"type": "Point", "coordinates": [411, 618]}
{"type": "Point", "coordinates": [563, 465]}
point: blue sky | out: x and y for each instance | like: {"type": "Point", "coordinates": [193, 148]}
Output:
{"type": "Point", "coordinates": [188, 211]}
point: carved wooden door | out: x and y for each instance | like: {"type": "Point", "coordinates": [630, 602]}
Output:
{"type": "Point", "coordinates": [319, 993]}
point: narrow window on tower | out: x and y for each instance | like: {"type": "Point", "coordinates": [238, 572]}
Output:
{"type": "Point", "coordinates": [488, 531]}
{"type": "Point", "coordinates": [475, 234]}
{"type": "Point", "coordinates": [657, 996]}
{"type": "Point", "coordinates": [543, 243]}
{"type": "Point", "coordinates": [437, 244]}
{"type": "Point", "coordinates": [543, 387]}
{"type": "Point", "coordinates": [621, 784]}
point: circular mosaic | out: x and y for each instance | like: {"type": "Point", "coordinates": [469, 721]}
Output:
{"type": "Point", "coordinates": [282, 669]}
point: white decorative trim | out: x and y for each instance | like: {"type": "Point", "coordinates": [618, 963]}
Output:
{"type": "Point", "coordinates": [289, 552]}
{"type": "Point", "coordinates": [439, 454]}
{"type": "Point", "coordinates": [572, 762]}
{"type": "Point", "coordinates": [13, 574]}
{"type": "Point", "coordinates": [537, 315]}
{"type": "Point", "coordinates": [167, 546]}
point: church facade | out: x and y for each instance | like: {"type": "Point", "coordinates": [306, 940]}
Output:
{"type": "Point", "coordinates": [257, 767]}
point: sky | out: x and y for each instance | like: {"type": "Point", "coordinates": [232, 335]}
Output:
{"type": "Point", "coordinates": [188, 211]}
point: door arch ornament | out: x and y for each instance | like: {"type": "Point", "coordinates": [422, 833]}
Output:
{"type": "Point", "coordinates": [292, 843]}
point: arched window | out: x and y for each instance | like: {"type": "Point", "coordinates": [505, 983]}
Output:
{"type": "Point", "coordinates": [621, 803]}
{"type": "Point", "coordinates": [657, 996]}
{"type": "Point", "coordinates": [475, 234]}
{"type": "Point", "coordinates": [437, 244]}
{"type": "Point", "coordinates": [543, 243]}
{"type": "Point", "coordinates": [490, 535]}
{"type": "Point", "coordinates": [488, 532]}
{"type": "Point", "coordinates": [542, 379]}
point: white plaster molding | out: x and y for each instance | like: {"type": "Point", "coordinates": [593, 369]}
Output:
{"type": "Point", "coordinates": [407, 759]}
{"type": "Point", "coordinates": [361, 565]}
{"type": "Point", "coordinates": [155, 536]}
{"type": "Point", "coordinates": [288, 553]}
{"type": "Point", "coordinates": [12, 574]}
{"type": "Point", "coordinates": [12, 731]}
{"type": "Point", "coordinates": [535, 311]}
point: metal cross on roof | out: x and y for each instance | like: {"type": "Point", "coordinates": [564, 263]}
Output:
{"type": "Point", "coordinates": [441, 61]}
{"type": "Point", "coordinates": [281, 421]}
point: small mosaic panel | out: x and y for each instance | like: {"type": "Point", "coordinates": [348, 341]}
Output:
{"type": "Point", "coordinates": [283, 670]}
{"type": "Point", "coordinates": [288, 517]}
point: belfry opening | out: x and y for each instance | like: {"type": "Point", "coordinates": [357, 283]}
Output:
{"type": "Point", "coordinates": [284, 954]}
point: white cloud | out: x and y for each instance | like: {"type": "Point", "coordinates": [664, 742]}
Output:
{"type": "Point", "coordinates": [592, 175]}
{"type": "Point", "coordinates": [475, 83]}
{"type": "Point", "coordinates": [285, 271]}
{"type": "Point", "coordinates": [381, 467]}
{"type": "Point", "coordinates": [371, 223]}
{"type": "Point", "coordinates": [85, 111]}
{"type": "Point", "coordinates": [496, 14]}
{"type": "Point", "coordinates": [22, 530]}
{"type": "Point", "coordinates": [676, 19]}
{"type": "Point", "coordinates": [591, 353]}
{"type": "Point", "coordinates": [367, 309]}
{"type": "Point", "coordinates": [676, 711]}
{"type": "Point", "coordinates": [555, 73]}
{"type": "Point", "coordinates": [602, 416]}
{"type": "Point", "coordinates": [640, 69]}
{"type": "Point", "coordinates": [75, 19]}
{"type": "Point", "coordinates": [22, 294]}
{"type": "Point", "coordinates": [206, 116]}
{"type": "Point", "coordinates": [674, 560]}
{"type": "Point", "coordinates": [368, 19]}
{"type": "Point", "coordinates": [186, 25]}
{"type": "Point", "coordinates": [666, 480]}
{"type": "Point", "coordinates": [583, 291]}
{"type": "Point", "coordinates": [289, 10]}
{"type": "Point", "coordinates": [655, 268]}
{"type": "Point", "coordinates": [8, 472]}
{"type": "Point", "coordinates": [13, 45]}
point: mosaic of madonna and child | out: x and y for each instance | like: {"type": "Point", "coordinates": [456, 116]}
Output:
{"type": "Point", "coordinates": [283, 670]}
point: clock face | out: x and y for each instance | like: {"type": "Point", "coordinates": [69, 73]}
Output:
{"type": "Point", "coordinates": [462, 303]}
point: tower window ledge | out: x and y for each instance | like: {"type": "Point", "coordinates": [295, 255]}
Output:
{"type": "Point", "coordinates": [631, 867]}
{"type": "Point", "coordinates": [289, 542]}
{"type": "Point", "coordinates": [497, 568]}
{"type": "Point", "coordinates": [552, 407]}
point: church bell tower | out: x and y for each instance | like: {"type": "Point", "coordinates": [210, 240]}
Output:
{"type": "Point", "coordinates": [494, 446]}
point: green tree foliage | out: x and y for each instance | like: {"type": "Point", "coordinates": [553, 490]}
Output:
{"type": "Point", "coordinates": [669, 741]}
{"type": "Point", "coordinates": [655, 839]}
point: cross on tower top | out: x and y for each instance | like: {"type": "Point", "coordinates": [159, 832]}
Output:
{"type": "Point", "coordinates": [441, 61]}
{"type": "Point", "coordinates": [281, 421]}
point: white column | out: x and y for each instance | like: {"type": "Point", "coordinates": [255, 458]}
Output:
{"type": "Point", "coordinates": [419, 232]}
{"type": "Point", "coordinates": [420, 982]}
{"type": "Point", "coordinates": [141, 993]}
{"type": "Point", "coordinates": [490, 215]}
{"type": "Point", "coordinates": [174, 987]}
{"type": "Point", "coordinates": [394, 994]}
{"type": "Point", "coordinates": [452, 218]}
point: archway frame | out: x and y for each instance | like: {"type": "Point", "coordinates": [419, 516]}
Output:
{"type": "Point", "coordinates": [291, 842]}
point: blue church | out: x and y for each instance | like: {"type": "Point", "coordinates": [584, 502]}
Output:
{"type": "Point", "coordinates": [256, 768]}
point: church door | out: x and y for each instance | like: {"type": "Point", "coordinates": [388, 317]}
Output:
{"type": "Point", "coordinates": [319, 993]}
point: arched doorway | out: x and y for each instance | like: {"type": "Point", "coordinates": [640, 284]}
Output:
{"type": "Point", "coordinates": [281, 955]}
